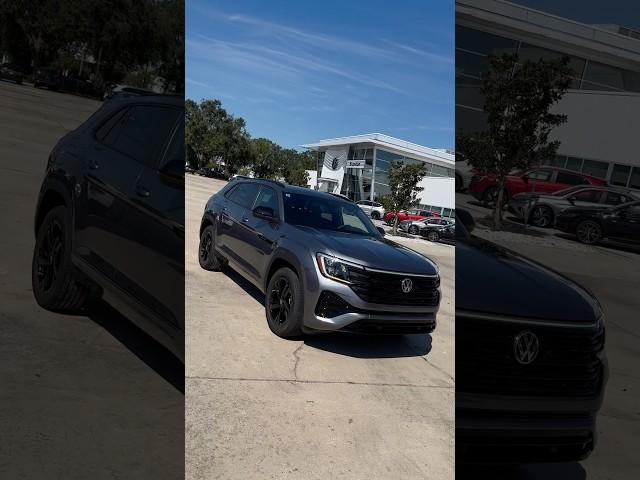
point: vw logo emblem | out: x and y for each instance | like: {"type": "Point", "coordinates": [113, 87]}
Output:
{"type": "Point", "coordinates": [407, 285]}
{"type": "Point", "coordinates": [334, 163]}
{"type": "Point", "coordinates": [526, 347]}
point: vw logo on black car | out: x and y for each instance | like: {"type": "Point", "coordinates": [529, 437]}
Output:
{"type": "Point", "coordinates": [334, 163]}
{"type": "Point", "coordinates": [407, 285]}
{"type": "Point", "coordinates": [526, 347]}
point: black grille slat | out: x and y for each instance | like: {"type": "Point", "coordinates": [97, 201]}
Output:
{"type": "Point", "coordinates": [386, 288]}
{"type": "Point", "coordinates": [567, 364]}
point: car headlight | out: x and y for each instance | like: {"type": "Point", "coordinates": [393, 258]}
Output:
{"type": "Point", "coordinates": [335, 268]}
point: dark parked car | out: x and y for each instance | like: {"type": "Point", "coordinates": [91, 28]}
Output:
{"type": "Point", "coordinates": [591, 225]}
{"type": "Point", "coordinates": [319, 260]}
{"type": "Point", "coordinates": [437, 233]}
{"type": "Point", "coordinates": [10, 71]}
{"type": "Point", "coordinates": [544, 208]}
{"type": "Point", "coordinates": [48, 78]}
{"type": "Point", "coordinates": [530, 358]}
{"type": "Point", "coordinates": [109, 220]}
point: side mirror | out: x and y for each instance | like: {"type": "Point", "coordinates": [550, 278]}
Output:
{"type": "Point", "coordinates": [266, 213]}
{"type": "Point", "coordinates": [381, 230]}
{"type": "Point", "coordinates": [467, 220]}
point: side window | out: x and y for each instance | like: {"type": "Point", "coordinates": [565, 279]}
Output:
{"type": "Point", "coordinates": [244, 194]}
{"type": "Point", "coordinates": [267, 198]}
{"type": "Point", "coordinates": [175, 153]}
{"type": "Point", "coordinates": [612, 198]}
{"type": "Point", "coordinates": [230, 192]}
{"type": "Point", "coordinates": [570, 179]}
{"type": "Point", "coordinates": [542, 175]}
{"type": "Point", "coordinates": [112, 124]}
{"type": "Point", "coordinates": [592, 196]}
{"type": "Point", "coordinates": [142, 132]}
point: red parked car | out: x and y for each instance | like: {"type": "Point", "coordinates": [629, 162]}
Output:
{"type": "Point", "coordinates": [541, 179]}
{"type": "Point", "coordinates": [410, 215]}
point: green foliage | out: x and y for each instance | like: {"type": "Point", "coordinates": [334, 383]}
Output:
{"type": "Point", "coordinates": [403, 182]}
{"type": "Point", "coordinates": [518, 102]}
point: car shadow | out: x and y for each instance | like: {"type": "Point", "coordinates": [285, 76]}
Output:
{"type": "Point", "coordinates": [349, 344]}
{"type": "Point", "coordinates": [566, 471]}
{"type": "Point", "coordinates": [147, 349]}
{"type": "Point", "coordinates": [371, 346]}
{"type": "Point", "coordinates": [606, 244]}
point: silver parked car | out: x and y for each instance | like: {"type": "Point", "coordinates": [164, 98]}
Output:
{"type": "Point", "coordinates": [543, 208]}
{"type": "Point", "coordinates": [413, 226]}
{"type": "Point", "coordinates": [374, 209]}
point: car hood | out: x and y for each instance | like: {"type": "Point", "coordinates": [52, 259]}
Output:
{"type": "Point", "coordinates": [373, 252]}
{"type": "Point", "coordinates": [491, 279]}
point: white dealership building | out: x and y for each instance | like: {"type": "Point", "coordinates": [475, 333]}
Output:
{"type": "Point", "coordinates": [600, 136]}
{"type": "Point", "coordinates": [358, 167]}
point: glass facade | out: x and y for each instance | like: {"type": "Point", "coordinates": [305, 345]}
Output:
{"type": "Point", "coordinates": [473, 48]}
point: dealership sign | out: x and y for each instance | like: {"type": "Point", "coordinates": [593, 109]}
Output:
{"type": "Point", "coordinates": [355, 163]}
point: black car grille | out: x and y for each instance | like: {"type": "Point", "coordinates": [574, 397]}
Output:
{"type": "Point", "coordinates": [386, 288]}
{"type": "Point", "coordinates": [567, 364]}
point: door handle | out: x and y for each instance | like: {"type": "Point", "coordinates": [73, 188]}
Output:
{"type": "Point", "coordinates": [245, 219]}
{"type": "Point", "coordinates": [142, 191]}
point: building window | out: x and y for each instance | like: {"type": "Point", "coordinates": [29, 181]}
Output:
{"type": "Point", "coordinates": [599, 76]}
{"type": "Point", "coordinates": [439, 171]}
{"type": "Point", "coordinates": [574, 163]}
{"type": "Point", "coordinates": [634, 181]}
{"type": "Point", "coordinates": [620, 175]}
{"type": "Point", "coordinates": [595, 168]}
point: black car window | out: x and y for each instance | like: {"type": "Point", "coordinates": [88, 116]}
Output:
{"type": "Point", "coordinates": [267, 198]}
{"type": "Point", "coordinates": [142, 132]}
{"type": "Point", "coordinates": [570, 179]}
{"type": "Point", "coordinates": [244, 194]}
{"type": "Point", "coordinates": [591, 196]}
{"type": "Point", "coordinates": [612, 198]}
{"type": "Point", "coordinates": [543, 175]}
{"type": "Point", "coordinates": [109, 125]}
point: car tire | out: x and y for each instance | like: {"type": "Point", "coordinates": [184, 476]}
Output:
{"type": "Point", "coordinates": [489, 197]}
{"type": "Point", "coordinates": [207, 256]}
{"type": "Point", "coordinates": [53, 276]}
{"type": "Point", "coordinates": [375, 215]}
{"type": "Point", "coordinates": [433, 236]}
{"type": "Point", "coordinates": [284, 302]}
{"type": "Point", "coordinates": [413, 230]}
{"type": "Point", "coordinates": [392, 219]}
{"type": "Point", "coordinates": [541, 216]}
{"type": "Point", "coordinates": [589, 232]}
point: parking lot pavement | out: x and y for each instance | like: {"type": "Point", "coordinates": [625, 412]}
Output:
{"type": "Point", "coordinates": [72, 397]}
{"type": "Point", "coordinates": [326, 406]}
{"type": "Point", "coordinates": [611, 274]}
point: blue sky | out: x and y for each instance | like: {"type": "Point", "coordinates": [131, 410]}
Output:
{"type": "Point", "coordinates": [302, 71]}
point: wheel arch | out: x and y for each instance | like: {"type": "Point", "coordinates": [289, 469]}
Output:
{"type": "Point", "coordinates": [52, 195]}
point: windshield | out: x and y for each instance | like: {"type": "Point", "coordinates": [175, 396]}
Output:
{"type": "Point", "coordinates": [326, 213]}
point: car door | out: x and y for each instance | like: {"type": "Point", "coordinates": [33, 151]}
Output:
{"type": "Point", "coordinates": [587, 197]}
{"type": "Point", "coordinates": [159, 224]}
{"type": "Point", "coordinates": [234, 233]}
{"type": "Point", "coordinates": [625, 223]}
{"type": "Point", "coordinates": [260, 234]}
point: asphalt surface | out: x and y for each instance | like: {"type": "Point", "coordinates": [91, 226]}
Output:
{"type": "Point", "coordinates": [612, 274]}
{"type": "Point", "coordinates": [80, 397]}
{"type": "Point", "coordinates": [327, 406]}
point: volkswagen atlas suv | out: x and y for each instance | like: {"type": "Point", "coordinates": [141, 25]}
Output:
{"type": "Point", "coordinates": [109, 221]}
{"type": "Point", "coordinates": [319, 260]}
{"type": "Point", "coordinates": [531, 366]}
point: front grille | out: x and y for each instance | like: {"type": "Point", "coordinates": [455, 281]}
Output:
{"type": "Point", "coordinates": [567, 365]}
{"type": "Point", "coordinates": [386, 327]}
{"type": "Point", "coordinates": [386, 288]}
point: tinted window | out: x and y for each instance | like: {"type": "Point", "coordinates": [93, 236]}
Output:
{"type": "Point", "coordinates": [142, 132]}
{"type": "Point", "coordinates": [109, 125]}
{"type": "Point", "coordinates": [570, 179]}
{"type": "Point", "coordinates": [267, 198]}
{"type": "Point", "coordinates": [588, 196]}
{"type": "Point", "coordinates": [612, 198]}
{"type": "Point", "coordinates": [175, 152]}
{"type": "Point", "coordinates": [244, 194]}
{"type": "Point", "coordinates": [327, 214]}
{"type": "Point", "coordinates": [543, 175]}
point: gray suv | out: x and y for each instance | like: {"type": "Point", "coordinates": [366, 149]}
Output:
{"type": "Point", "coordinates": [319, 260]}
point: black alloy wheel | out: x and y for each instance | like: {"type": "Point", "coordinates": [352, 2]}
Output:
{"type": "Point", "coordinates": [433, 236]}
{"type": "Point", "coordinates": [284, 303]}
{"type": "Point", "coordinates": [207, 256]}
{"type": "Point", "coordinates": [542, 216]}
{"type": "Point", "coordinates": [413, 229]}
{"type": "Point", "coordinates": [589, 232]}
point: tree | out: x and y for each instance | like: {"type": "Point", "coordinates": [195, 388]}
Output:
{"type": "Point", "coordinates": [518, 100]}
{"type": "Point", "coordinates": [295, 166]}
{"type": "Point", "coordinates": [403, 183]}
{"type": "Point", "coordinates": [265, 156]}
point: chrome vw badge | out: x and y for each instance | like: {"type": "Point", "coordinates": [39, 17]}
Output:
{"type": "Point", "coordinates": [334, 163]}
{"type": "Point", "coordinates": [526, 347]}
{"type": "Point", "coordinates": [407, 285]}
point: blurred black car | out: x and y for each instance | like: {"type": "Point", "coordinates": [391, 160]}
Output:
{"type": "Point", "coordinates": [438, 233]}
{"type": "Point", "coordinates": [109, 221]}
{"type": "Point", "coordinates": [591, 225]}
{"type": "Point", "coordinates": [531, 365]}
{"type": "Point", "coordinates": [47, 78]}
{"type": "Point", "coordinates": [10, 71]}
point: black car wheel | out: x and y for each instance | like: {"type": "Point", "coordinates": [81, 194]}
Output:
{"type": "Point", "coordinates": [433, 236]}
{"type": "Point", "coordinates": [392, 219]}
{"type": "Point", "coordinates": [413, 230]}
{"type": "Point", "coordinates": [542, 216]}
{"type": "Point", "coordinates": [53, 277]}
{"type": "Point", "coordinates": [490, 197]}
{"type": "Point", "coordinates": [284, 304]}
{"type": "Point", "coordinates": [589, 232]}
{"type": "Point", "coordinates": [207, 256]}
{"type": "Point", "coordinates": [375, 215]}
